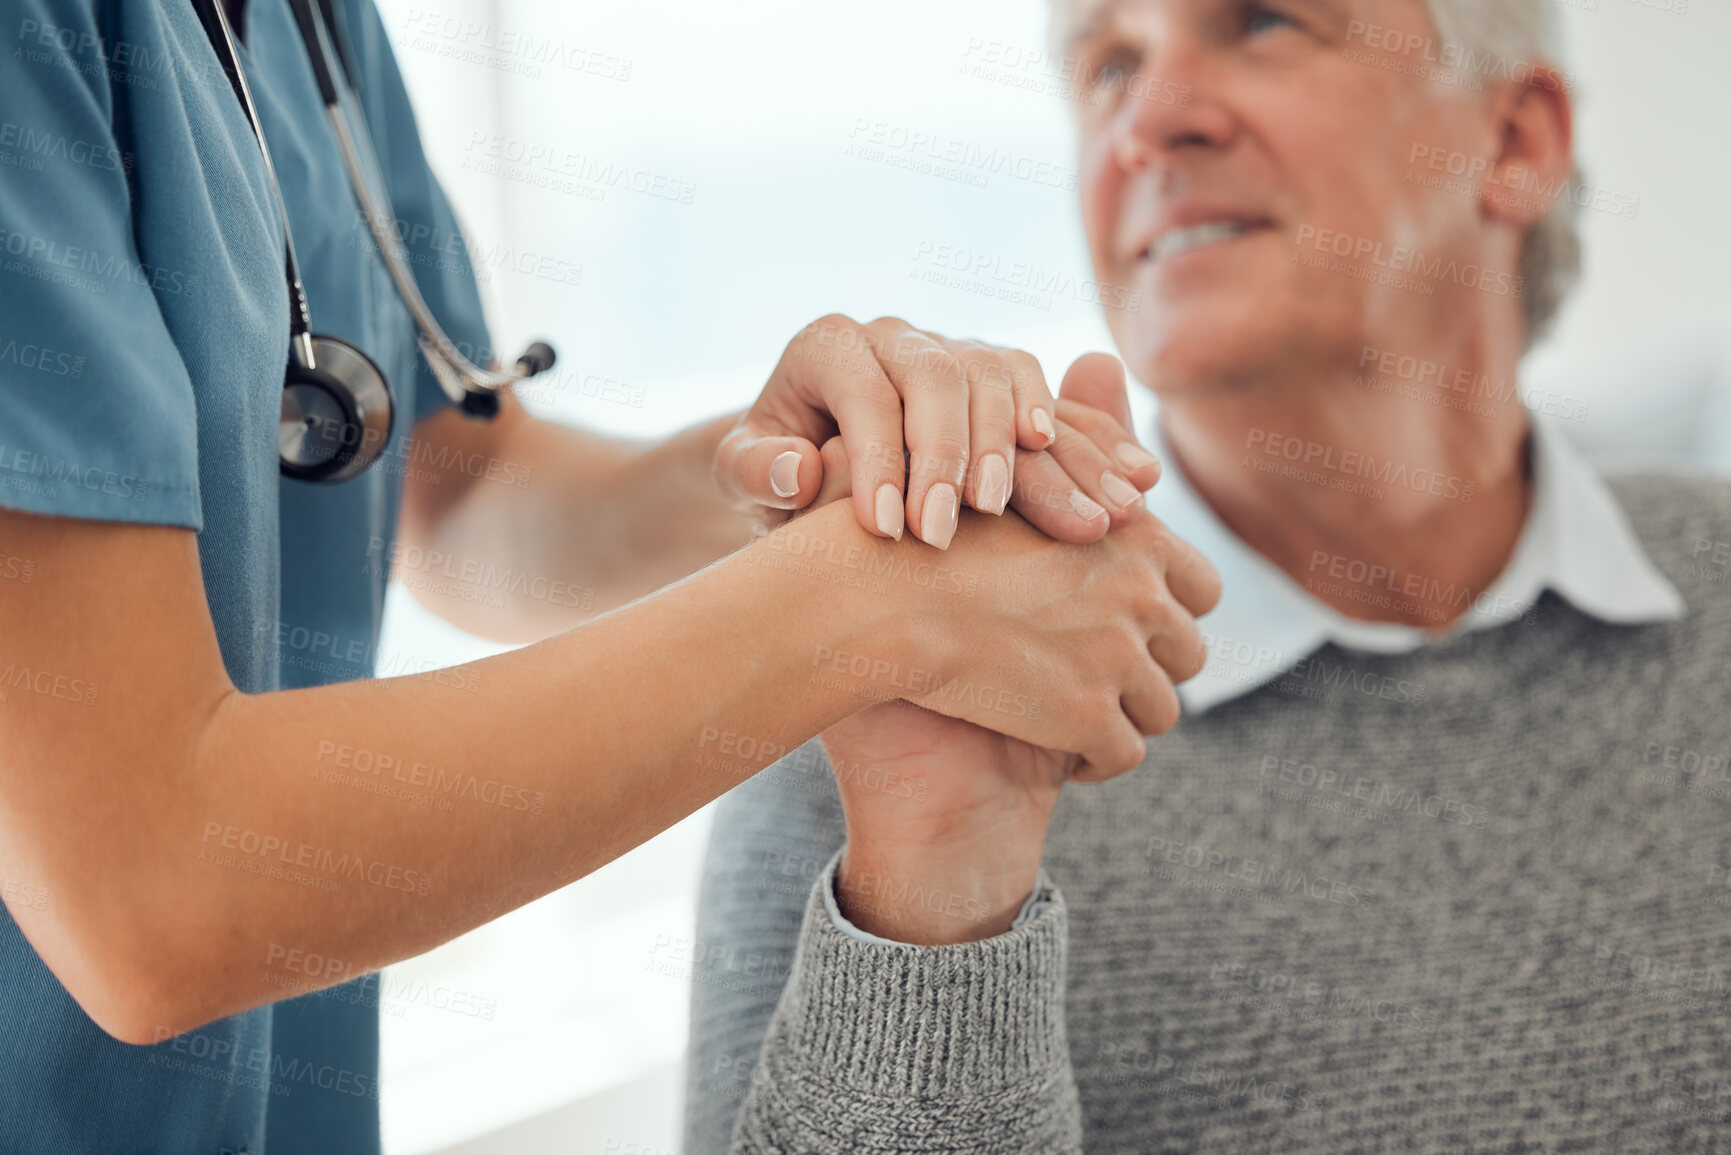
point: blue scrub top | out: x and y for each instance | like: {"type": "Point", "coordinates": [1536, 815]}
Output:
{"type": "Point", "coordinates": [143, 334]}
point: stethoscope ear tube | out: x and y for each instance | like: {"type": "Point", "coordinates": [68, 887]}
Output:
{"type": "Point", "coordinates": [337, 410]}
{"type": "Point", "coordinates": [536, 359]}
{"type": "Point", "coordinates": [310, 22]}
{"type": "Point", "coordinates": [473, 388]}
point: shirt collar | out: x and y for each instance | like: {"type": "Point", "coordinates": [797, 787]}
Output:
{"type": "Point", "coordinates": [1577, 541]}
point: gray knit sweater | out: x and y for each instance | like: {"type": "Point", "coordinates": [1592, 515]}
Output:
{"type": "Point", "coordinates": [1489, 913]}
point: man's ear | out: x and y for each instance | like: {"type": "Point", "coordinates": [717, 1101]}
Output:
{"type": "Point", "coordinates": [1535, 153]}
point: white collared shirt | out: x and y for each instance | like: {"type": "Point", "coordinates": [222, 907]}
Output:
{"type": "Point", "coordinates": [1576, 541]}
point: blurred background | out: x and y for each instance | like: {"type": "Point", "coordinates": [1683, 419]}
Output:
{"type": "Point", "coordinates": [709, 176]}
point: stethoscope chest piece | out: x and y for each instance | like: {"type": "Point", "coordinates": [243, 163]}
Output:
{"type": "Point", "coordinates": [337, 408]}
{"type": "Point", "coordinates": [337, 412]}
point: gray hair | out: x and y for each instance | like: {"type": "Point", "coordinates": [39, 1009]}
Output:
{"type": "Point", "coordinates": [1507, 32]}
{"type": "Point", "coordinates": [1525, 30]}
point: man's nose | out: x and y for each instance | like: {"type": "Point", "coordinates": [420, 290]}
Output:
{"type": "Point", "coordinates": [1172, 104]}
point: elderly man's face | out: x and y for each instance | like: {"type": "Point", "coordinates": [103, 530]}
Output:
{"type": "Point", "coordinates": [1217, 133]}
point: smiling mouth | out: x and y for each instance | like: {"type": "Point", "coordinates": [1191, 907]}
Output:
{"type": "Point", "coordinates": [1177, 242]}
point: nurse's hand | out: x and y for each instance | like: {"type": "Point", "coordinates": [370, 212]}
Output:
{"type": "Point", "coordinates": [1093, 414]}
{"type": "Point", "coordinates": [929, 423]}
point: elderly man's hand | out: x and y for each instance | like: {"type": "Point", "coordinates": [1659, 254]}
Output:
{"type": "Point", "coordinates": [963, 828]}
{"type": "Point", "coordinates": [927, 423]}
{"type": "Point", "coordinates": [965, 825]}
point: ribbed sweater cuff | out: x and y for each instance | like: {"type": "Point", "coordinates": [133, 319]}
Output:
{"type": "Point", "coordinates": [946, 1021]}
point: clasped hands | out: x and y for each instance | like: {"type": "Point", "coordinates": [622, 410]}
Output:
{"type": "Point", "coordinates": [1088, 609]}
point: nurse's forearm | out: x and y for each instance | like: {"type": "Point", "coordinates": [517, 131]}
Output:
{"type": "Point", "coordinates": [368, 822]}
{"type": "Point", "coordinates": [191, 838]}
{"type": "Point", "coordinates": [523, 527]}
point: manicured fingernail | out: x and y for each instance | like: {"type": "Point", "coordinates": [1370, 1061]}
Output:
{"type": "Point", "coordinates": [992, 487]}
{"type": "Point", "coordinates": [784, 474]}
{"type": "Point", "coordinates": [1042, 423]}
{"type": "Point", "coordinates": [1086, 507]}
{"type": "Point", "coordinates": [889, 511]}
{"type": "Point", "coordinates": [1120, 492]}
{"type": "Point", "coordinates": [1133, 456]}
{"type": "Point", "coordinates": [938, 518]}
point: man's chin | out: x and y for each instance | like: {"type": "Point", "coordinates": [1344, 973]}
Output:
{"type": "Point", "coordinates": [1188, 358]}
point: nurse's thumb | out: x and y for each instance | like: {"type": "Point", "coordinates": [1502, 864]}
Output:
{"type": "Point", "coordinates": [776, 472]}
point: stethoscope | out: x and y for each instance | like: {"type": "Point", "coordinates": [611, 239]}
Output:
{"type": "Point", "coordinates": [337, 407]}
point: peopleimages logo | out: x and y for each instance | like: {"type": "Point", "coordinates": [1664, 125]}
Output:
{"type": "Point", "coordinates": [883, 141]}
{"type": "Point", "coordinates": [41, 358]}
{"type": "Point", "coordinates": [250, 844]}
{"type": "Point", "coordinates": [1463, 389]}
{"type": "Point", "coordinates": [49, 473]}
{"type": "Point", "coordinates": [868, 562]}
{"type": "Point", "coordinates": [1401, 261]}
{"type": "Point", "coordinates": [48, 684]}
{"type": "Point", "coordinates": [213, 1053]}
{"type": "Point", "coordinates": [56, 146]}
{"type": "Point", "coordinates": [1384, 795]}
{"type": "Point", "coordinates": [79, 260]}
{"type": "Point", "coordinates": [524, 50]}
{"type": "Point", "coordinates": [1069, 77]}
{"type": "Point", "coordinates": [1257, 875]}
{"type": "Point", "coordinates": [1330, 459]}
{"type": "Point", "coordinates": [1021, 282]}
{"type": "Point", "coordinates": [1332, 998]}
{"type": "Point", "coordinates": [552, 166]}
{"type": "Point", "coordinates": [913, 682]}
{"type": "Point", "coordinates": [1510, 184]}
{"type": "Point", "coordinates": [1455, 63]}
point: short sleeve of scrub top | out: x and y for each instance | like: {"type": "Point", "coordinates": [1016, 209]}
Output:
{"type": "Point", "coordinates": [143, 330]}
{"type": "Point", "coordinates": [143, 333]}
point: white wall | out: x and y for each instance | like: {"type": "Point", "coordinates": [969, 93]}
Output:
{"type": "Point", "coordinates": [684, 307]}
{"type": "Point", "coordinates": [1655, 307]}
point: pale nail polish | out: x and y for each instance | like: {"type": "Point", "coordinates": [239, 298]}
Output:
{"type": "Point", "coordinates": [1042, 423]}
{"type": "Point", "coordinates": [1120, 492]}
{"type": "Point", "coordinates": [992, 487]}
{"type": "Point", "coordinates": [1085, 506]}
{"type": "Point", "coordinates": [1133, 456]}
{"type": "Point", "coordinates": [784, 474]}
{"type": "Point", "coordinates": [938, 518]}
{"type": "Point", "coordinates": [890, 516]}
